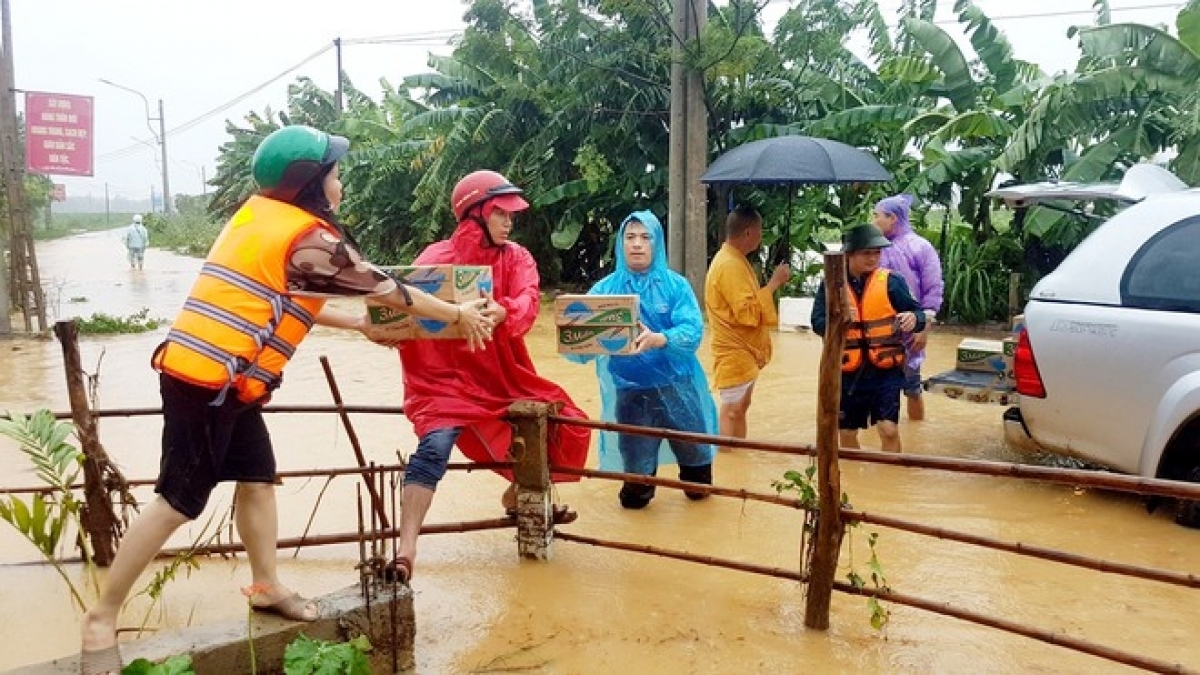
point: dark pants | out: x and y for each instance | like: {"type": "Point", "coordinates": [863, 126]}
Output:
{"type": "Point", "coordinates": [203, 445]}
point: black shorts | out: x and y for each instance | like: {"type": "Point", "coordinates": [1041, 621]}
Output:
{"type": "Point", "coordinates": [870, 399]}
{"type": "Point", "coordinates": [203, 445]}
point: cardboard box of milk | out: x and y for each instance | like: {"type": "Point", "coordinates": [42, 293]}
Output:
{"type": "Point", "coordinates": [596, 310]}
{"type": "Point", "coordinates": [981, 355]}
{"type": "Point", "coordinates": [597, 340]}
{"type": "Point", "coordinates": [452, 283]}
{"type": "Point", "coordinates": [1010, 350]}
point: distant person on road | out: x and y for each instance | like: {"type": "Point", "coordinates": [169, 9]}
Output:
{"type": "Point", "coordinates": [740, 312]}
{"type": "Point", "coordinates": [882, 312]}
{"type": "Point", "coordinates": [661, 384]}
{"type": "Point", "coordinates": [454, 396]}
{"type": "Point", "coordinates": [914, 258]}
{"type": "Point", "coordinates": [136, 240]}
{"type": "Point", "coordinates": [261, 289]}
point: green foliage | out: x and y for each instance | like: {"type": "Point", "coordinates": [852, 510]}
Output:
{"type": "Point", "coordinates": [175, 665]}
{"type": "Point", "coordinates": [67, 224]}
{"type": "Point", "coordinates": [43, 440]}
{"type": "Point", "coordinates": [190, 233]}
{"type": "Point", "coordinates": [976, 276]}
{"type": "Point", "coordinates": [805, 486]}
{"type": "Point", "coordinates": [571, 101]}
{"type": "Point", "coordinates": [100, 323]}
{"type": "Point", "coordinates": [307, 656]}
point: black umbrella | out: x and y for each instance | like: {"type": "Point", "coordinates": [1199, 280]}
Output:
{"type": "Point", "coordinates": [793, 160]}
{"type": "Point", "coordinates": [796, 159]}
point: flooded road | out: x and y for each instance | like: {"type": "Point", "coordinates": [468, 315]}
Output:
{"type": "Point", "coordinates": [480, 609]}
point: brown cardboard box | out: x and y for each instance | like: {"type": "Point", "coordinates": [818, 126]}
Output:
{"type": "Point", "coordinates": [1010, 350]}
{"type": "Point", "coordinates": [981, 355]}
{"type": "Point", "coordinates": [452, 283]}
{"type": "Point", "coordinates": [1018, 324]}
{"type": "Point", "coordinates": [393, 323]}
{"type": "Point", "coordinates": [598, 340]}
{"type": "Point", "coordinates": [596, 310]}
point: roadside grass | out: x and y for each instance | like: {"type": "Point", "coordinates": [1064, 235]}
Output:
{"type": "Point", "coordinates": [67, 224]}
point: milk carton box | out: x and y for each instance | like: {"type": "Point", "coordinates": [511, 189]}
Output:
{"type": "Point", "coordinates": [391, 323]}
{"type": "Point", "coordinates": [597, 340]}
{"type": "Point", "coordinates": [1010, 350]}
{"type": "Point", "coordinates": [452, 283]}
{"type": "Point", "coordinates": [981, 355]}
{"type": "Point", "coordinates": [1018, 324]}
{"type": "Point", "coordinates": [596, 310]}
{"type": "Point", "coordinates": [596, 324]}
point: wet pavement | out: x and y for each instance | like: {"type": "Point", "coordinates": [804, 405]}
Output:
{"type": "Point", "coordinates": [590, 610]}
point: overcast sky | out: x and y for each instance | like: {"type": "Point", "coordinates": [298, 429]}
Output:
{"type": "Point", "coordinates": [201, 56]}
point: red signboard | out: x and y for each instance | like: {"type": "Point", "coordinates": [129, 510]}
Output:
{"type": "Point", "coordinates": [58, 134]}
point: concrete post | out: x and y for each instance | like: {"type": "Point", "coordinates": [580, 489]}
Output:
{"type": "Point", "coordinates": [531, 473]}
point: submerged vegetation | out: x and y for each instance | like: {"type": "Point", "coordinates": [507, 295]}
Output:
{"type": "Point", "coordinates": [100, 323]}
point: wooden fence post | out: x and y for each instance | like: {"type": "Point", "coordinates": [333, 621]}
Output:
{"type": "Point", "coordinates": [828, 538]}
{"type": "Point", "coordinates": [531, 474]}
{"type": "Point", "coordinates": [100, 522]}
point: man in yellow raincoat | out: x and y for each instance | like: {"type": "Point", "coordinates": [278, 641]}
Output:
{"type": "Point", "coordinates": [740, 312]}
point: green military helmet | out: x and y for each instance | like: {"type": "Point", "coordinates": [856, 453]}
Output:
{"type": "Point", "coordinates": [292, 157]}
{"type": "Point", "coordinates": [863, 237]}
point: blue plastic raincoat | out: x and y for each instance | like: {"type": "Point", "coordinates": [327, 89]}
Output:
{"type": "Point", "coordinates": [667, 305]}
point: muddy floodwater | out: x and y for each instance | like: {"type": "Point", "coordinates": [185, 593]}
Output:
{"type": "Point", "coordinates": [590, 610]}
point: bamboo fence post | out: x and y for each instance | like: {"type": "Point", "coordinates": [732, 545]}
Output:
{"type": "Point", "coordinates": [531, 475]}
{"type": "Point", "coordinates": [376, 502]}
{"type": "Point", "coordinates": [100, 522]}
{"type": "Point", "coordinates": [828, 537]}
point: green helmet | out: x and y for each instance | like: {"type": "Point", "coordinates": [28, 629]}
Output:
{"type": "Point", "coordinates": [290, 158]}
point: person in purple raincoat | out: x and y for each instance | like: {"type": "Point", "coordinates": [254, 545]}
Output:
{"type": "Point", "coordinates": [914, 258]}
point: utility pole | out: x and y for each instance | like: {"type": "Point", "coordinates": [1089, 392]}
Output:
{"type": "Point", "coordinates": [337, 48]}
{"type": "Point", "coordinates": [687, 224]}
{"type": "Point", "coordinates": [22, 281]}
{"type": "Point", "coordinates": [162, 135]}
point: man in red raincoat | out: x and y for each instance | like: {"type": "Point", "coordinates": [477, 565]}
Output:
{"type": "Point", "coordinates": [455, 395]}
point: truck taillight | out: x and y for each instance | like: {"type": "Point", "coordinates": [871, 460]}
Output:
{"type": "Point", "coordinates": [1025, 369]}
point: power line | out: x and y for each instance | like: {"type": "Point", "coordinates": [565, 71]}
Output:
{"type": "Point", "coordinates": [135, 149]}
{"type": "Point", "coordinates": [425, 38]}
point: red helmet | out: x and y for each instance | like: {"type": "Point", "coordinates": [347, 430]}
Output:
{"type": "Point", "coordinates": [479, 186]}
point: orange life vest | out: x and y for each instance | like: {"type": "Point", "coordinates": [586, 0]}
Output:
{"type": "Point", "coordinates": [872, 327]}
{"type": "Point", "coordinates": [239, 326]}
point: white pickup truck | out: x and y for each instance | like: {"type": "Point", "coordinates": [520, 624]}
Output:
{"type": "Point", "coordinates": [1107, 367]}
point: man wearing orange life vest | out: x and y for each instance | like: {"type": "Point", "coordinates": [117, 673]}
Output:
{"type": "Point", "coordinates": [262, 287]}
{"type": "Point", "coordinates": [882, 310]}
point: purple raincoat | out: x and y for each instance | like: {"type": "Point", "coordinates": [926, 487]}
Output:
{"type": "Point", "coordinates": [915, 259]}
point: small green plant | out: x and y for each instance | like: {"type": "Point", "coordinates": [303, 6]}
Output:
{"type": "Point", "coordinates": [306, 656]}
{"type": "Point", "coordinates": [175, 665]}
{"type": "Point", "coordinates": [804, 485]}
{"type": "Point", "coordinates": [57, 463]}
{"type": "Point", "coordinates": [879, 613]}
{"type": "Point", "coordinates": [105, 324]}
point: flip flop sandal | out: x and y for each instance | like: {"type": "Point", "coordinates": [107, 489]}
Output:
{"type": "Point", "coordinates": [562, 514]}
{"type": "Point", "coordinates": [105, 661]}
{"type": "Point", "coordinates": [293, 608]}
{"type": "Point", "coordinates": [399, 570]}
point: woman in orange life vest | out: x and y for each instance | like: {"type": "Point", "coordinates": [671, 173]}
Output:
{"type": "Point", "coordinates": [873, 361]}
{"type": "Point", "coordinates": [262, 287]}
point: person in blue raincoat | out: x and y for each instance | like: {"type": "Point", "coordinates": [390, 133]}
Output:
{"type": "Point", "coordinates": [661, 385]}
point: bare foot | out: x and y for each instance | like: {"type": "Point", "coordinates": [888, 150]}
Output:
{"type": "Point", "coordinates": [273, 597]}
